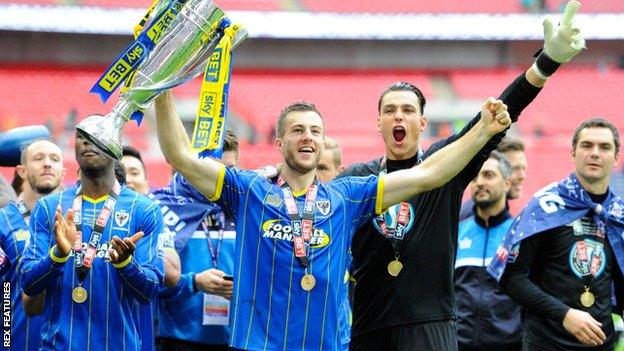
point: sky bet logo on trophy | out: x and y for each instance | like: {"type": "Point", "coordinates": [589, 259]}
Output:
{"type": "Point", "coordinates": [174, 43]}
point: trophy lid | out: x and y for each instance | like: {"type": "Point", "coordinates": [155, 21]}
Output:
{"type": "Point", "coordinates": [102, 132]}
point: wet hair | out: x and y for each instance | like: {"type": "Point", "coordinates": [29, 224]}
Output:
{"type": "Point", "coordinates": [404, 86]}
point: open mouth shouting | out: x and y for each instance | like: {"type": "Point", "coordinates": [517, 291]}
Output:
{"type": "Point", "coordinates": [398, 133]}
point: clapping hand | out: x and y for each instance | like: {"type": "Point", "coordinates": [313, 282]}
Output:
{"type": "Point", "coordinates": [64, 231]}
{"type": "Point", "coordinates": [121, 249]}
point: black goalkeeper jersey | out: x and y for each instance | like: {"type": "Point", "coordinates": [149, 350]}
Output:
{"type": "Point", "coordinates": [423, 291]}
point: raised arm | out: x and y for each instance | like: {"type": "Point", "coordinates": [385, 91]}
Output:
{"type": "Point", "coordinates": [204, 174]}
{"type": "Point", "coordinates": [444, 164]}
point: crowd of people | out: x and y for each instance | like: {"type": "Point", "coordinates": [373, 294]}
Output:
{"type": "Point", "coordinates": [313, 255]}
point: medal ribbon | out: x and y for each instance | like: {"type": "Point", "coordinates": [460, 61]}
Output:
{"type": "Point", "coordinates": [586, 262]}
{"type": "Point", "coordinates": [84, 260]}
{"type": "Point", "coordinates": [398, 233]}
{"type": "Point", "coordinates": [218, 222]}
{"type": "Point", "coordinates": [302, 225]}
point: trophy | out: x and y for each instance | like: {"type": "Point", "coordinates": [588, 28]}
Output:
{"type": "Point", "coordinates": [183, 40]}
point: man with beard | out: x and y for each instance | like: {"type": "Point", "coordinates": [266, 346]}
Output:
{"type": "Point", "coordinates": [395, 310]}
{"type": "Point", "coordinates": [513, 149]}
{"type": "Point", "coordinates": [41, 169]}
{"type": "Point", "coordinates": [488, 320]}
{"type": "Point", "coordinates": [563, 257]}
{"type": "Point", "coordinates": [91, 264]}
{"type": "Point", "coordinates": [291, 250]}
{"type": "Point", "coordinates": [193, 316]}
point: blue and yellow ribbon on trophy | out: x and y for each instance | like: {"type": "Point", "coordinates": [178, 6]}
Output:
{"type": "Point", "coordinates": [207, 138]}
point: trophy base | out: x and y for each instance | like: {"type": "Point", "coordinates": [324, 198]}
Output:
{"type": "Point", "coordinates": [104, 133]}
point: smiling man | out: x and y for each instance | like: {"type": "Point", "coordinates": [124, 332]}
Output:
{"type": "Point", "coordinates": [41, 169]}
{"type": "Point", "coordinates": [294, 232]}
{"type": "Point", "coordinates": [564, 255]}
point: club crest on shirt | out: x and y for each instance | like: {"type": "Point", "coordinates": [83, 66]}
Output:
{"type": "Point", "coordinates": [274, 200]}
{"type": "Point", "coordinates": [587, 257]}
{"type": "Point", "coordinates": [22, 235]}
{"type": "Point", "coordinates": [121, 218]}
{"type": "Point", "coordinates": [465, 243]}
{"type": "Point", "coordinates": [397, 220]}
{"type": "Point", "coordinates": [323, 206]}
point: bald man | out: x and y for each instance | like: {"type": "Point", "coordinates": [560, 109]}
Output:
{"type": "Point", "coordinates": [41, 169]}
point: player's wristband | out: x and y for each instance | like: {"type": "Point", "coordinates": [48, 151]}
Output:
{"type": "Point", "coordinates": [195, 290]}
{"type": "Point", "coordinates": [54, 255]}
{"type": "Point", "coordinates": [124, 263]}
{"type": "Point", "coordinates": [544, 65]}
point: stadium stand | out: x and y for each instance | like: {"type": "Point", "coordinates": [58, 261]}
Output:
{"type": "Point", "coordinates": [347, 99]}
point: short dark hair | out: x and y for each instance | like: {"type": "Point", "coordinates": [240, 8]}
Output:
{"type": "Point", "coordinates": [300, 106]}
{"type": "Point", "coordinates": [597, 123]}
{"type": "Point", "coordinates": [230, 141]}
{"type": "Point", "coordinates": [132, 152]}
{"type": "Point", "coordinates": [404, 86]}
{"type": "Point", "coordinates": [510, 144]}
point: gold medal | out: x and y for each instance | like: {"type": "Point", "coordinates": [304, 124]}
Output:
{"type": "Point", "coordinates": [394, 267]}
{"type": "Point", "coordinates": [308, 282]}
{"type": "Point", "coordinates": [79, 294]}
{"type": "Point", "coordinates": [587, 298]}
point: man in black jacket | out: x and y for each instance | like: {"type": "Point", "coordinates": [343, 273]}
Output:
{"type": "Point", "coordinates": [487, 319]}
{"type": "Point", "coordinates": [564, 255]}
{"type": "Point", "coordinates": [404, 260]}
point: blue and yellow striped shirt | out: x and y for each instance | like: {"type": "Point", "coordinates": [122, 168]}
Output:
{"type": "Point", "coordinates": [269, 308]}
{"type": "Point", "coordinates": [108, 320]}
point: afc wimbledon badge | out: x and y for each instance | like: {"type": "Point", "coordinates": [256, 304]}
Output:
{"type": "Point", "coordinates": [121, 218]}
{"type": "Point", "coordinates": [323, 206]}
{"type": "Point", "coordinates": [274, 200]}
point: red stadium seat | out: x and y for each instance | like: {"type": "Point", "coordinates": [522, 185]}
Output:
{"type": "Point", "coordinates": [347, 99]}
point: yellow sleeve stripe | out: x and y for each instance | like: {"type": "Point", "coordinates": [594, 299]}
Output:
{"type": "Point", "coordinates": [219, 186]}
{"type": "Point", "coordinates": [56, 258]}
{"type": "Point", "coordinates": [124, 263]}
{"type": "Point", "coordinates": [380, 193]}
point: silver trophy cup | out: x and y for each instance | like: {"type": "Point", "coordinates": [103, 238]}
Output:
{"type": "Point", "coordinates": [179, 55]}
